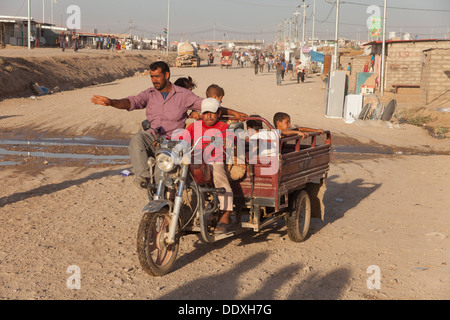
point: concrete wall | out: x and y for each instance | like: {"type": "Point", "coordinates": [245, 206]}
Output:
{"type": "Point", "coordinates": [435, 74]}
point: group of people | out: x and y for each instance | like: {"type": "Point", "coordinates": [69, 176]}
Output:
{"type": "Point", "coordinates": [67, 40]}
{"type": "Point", "coordinates": [107, 42]}
{"type": "Point", "coordinates": [167, 105]}
{"type": "Point", "coordinates": [283, 69]}
{"type": "Point", "coordinates": [260, 60]}
{"type": "Point", "coordinates": [254, 59]}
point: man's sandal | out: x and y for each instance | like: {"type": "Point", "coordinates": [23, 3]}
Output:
{"type": "Point", "coordinates": [221, 228]}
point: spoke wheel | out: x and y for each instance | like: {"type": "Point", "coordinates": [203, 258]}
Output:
{"type": "Point", "coordinates": [156, 256]}
{"type": "Point", "coordinates": [299, 218]}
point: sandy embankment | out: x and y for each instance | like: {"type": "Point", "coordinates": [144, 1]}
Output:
{"type": "Point", "coordinates": [59, 71]}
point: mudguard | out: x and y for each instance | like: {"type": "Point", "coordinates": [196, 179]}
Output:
{"type": "Point", "coordinates": [157, 205]}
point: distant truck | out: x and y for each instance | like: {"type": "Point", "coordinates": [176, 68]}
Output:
{"type": "Point", "coordinates": [187, 55]}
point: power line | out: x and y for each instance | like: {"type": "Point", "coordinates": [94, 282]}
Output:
{"type": "Point", "coordinates": [390, 26]}
{"type": "Point", "coordinates": [257, 5]}
{"type": "Point", "coordinates": [399, 8]}
{"type": "Point", "coordinates": [331, 10]}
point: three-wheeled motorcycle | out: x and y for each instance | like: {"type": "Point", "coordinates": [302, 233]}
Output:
{"type": "Point", "coordinates": [289, 183]}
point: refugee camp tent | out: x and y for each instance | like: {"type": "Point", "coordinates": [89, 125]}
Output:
{"type": "Point", "coordinates": [316, 56]}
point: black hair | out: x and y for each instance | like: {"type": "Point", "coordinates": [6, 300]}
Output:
{"type": "Point", "coordinates": [279, 116]}
{"type": "Point", "coordinates": [187, 83]}
{"type": "Point", "coordinates": [255, 124]}
{"type": "Point", "coordinates": [160, 65]}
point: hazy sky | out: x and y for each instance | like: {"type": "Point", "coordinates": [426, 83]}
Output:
{"type": "Point", "coordinates": [194, 20]}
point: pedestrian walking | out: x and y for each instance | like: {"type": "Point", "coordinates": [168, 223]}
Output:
{"type": "Point", "coordinates": [75, 40]}
{"type": "Point", "coordinates": [298, 70]}
{"type": "Point", "coordinates": [62, 41]}
{"type": "Point", "coordinates": [262, 61]}
{"type": "Point", "coordinates": [279, 72]}
{"type": "Point", "coordinates": [290, 70]}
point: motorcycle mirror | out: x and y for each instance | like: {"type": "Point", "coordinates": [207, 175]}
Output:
{"type": "Point", "coordinates": [146, 125]}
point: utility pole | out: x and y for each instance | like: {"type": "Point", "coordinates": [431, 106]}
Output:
{"type": "Point", "coordinates": [29, 25]}
{"type": "Point", "coordinates": [296, 14]}
{"type": "Point", "coordinates": [304, 23]}
{"type": "Point", "coordinates": [290, 30]}
{"type": "Point", "coordinates": [314, 21]}
{"type": "Point", "coordinates": [51, 11]}
{"type": "Point", "coordinates": [304, 5]}
{"type": "Point", "coordinates": [336, 45]}
{"type": "Point", "coordinates": [383, 50]}
{"type": "Point", "coordinates": [131, 23]}
{"type": "Point", "coordinates": [168, 26]}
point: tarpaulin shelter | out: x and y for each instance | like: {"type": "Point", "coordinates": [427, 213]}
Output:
{"type": "Point", "coordinates": [316, 56]}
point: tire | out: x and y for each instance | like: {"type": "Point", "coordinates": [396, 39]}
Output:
{"type": "Point", "coordinates": [155, 255]}
{"type": "Point", "coordinates": [299, 218]}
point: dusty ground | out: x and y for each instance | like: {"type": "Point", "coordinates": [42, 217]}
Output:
{"type": "Point", "coordinates": [388, 210]}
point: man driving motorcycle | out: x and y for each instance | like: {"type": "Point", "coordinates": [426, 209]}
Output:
{"type": "Point", "coordinates": [166, 109]}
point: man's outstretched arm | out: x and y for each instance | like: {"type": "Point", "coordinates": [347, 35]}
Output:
{"type": "Point", "coordinates": [116, 103]}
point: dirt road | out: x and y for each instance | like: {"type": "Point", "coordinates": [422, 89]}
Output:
{"type": "Point", "coordinates": [386, 213]}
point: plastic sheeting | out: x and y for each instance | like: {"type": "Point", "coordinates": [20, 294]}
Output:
{"type": "Point", "coordinates": [316, 56]}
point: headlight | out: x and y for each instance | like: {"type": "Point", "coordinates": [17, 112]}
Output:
{"type": "Point", "coordinates": [165, 161]}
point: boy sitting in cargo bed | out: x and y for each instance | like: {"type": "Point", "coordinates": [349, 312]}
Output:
{"type": "Point", "coordinates": [282, 122]}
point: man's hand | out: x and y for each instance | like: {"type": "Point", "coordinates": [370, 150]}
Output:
{"type": "Point", "coordinates": [104, 101]}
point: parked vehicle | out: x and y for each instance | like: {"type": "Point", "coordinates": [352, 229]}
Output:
{"type": "Point", "coordinates": [182, 198]}
{"type": "Point", "coordinates": [226, 59]}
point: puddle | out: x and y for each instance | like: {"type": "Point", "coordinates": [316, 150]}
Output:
{"type": "Point", "coordinates": [9, 163]}
{"type": "Point", "coordinates": [62, 155]}
{"type": "Point", "coordinates": [384, 150]}
{"type": "Point", "coordinates": [361, 149]}
{"type": "Point", "coordinates": [48, 145]}
{"type": "Point", "coordinates": [81, 141]}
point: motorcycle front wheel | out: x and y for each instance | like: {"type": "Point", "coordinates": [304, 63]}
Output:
{"type": "Point", "coordinates": [156, 256]}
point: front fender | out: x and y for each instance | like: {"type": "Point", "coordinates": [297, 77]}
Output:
{"type": "Point", "coordinates": [157, 205]}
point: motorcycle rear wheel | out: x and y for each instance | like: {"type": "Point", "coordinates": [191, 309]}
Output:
{"type": "Point", "coordinates": [156, 256]}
